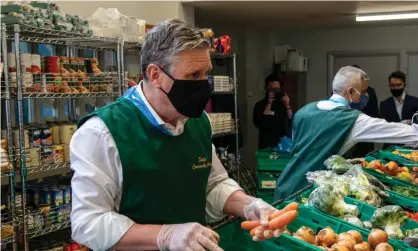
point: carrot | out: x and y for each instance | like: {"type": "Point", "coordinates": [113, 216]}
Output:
{"type": "Point", "coordinates": [257, 229]}
{"type": "Point", "coordinates": [250, 225]}
{"type": "Point", "coordinates": [290, 207]}
{"type": "Point", "coordinates": [283, 220]}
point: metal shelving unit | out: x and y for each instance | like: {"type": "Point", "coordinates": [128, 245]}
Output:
{"type": "Point", "coordinates": [13, 89]}
{"type": "Point", "coordinates": [235, 169]}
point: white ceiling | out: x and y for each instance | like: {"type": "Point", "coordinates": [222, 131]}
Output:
{"type": "Point", "coordinates": [296, 13]}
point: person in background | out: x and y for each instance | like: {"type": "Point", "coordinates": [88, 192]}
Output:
{"type": "Point", "coordinates": [369, 106]}
{"type": "Point", "coordinates": [325, 128]}
{"type": "Point", "coordinates": [401, 106]}
{"type": "Point", "coordinates": [272, 114]}
{"type": "Point", "coordinates": [146, 174]}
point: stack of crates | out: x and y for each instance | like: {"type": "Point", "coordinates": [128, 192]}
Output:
{"type": "Point", "coordinates": [270, 165]}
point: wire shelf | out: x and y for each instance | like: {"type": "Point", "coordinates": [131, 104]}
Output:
{"type": "Point", "coordinates": [223, 92]}
{"type": "Point", "coordinates": [71, 84]}
{"type": "Point", "coordinates": [222, 134]}
{"type": "Point", "coordinates": [45, 168]}
{"type": "Point", "coordinates": [215, 55]}
{"type": "Point", "coordinates": [27, 30]}
{"type": "Point", "coordinates": [6, 228]}
{"type": "Point", "coordinates": [52, 229]}
{"type": "Point", "coordinates": [48, 219]}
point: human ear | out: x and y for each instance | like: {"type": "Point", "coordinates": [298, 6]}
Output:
{"type": "Point", "coordinates": [154, 75]}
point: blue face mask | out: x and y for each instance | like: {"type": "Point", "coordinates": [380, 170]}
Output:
{"type": "Point", "coordinates": [361, 104]}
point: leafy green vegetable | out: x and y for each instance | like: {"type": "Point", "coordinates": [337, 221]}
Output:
{"type": "Point", "coordinates": [390, 218]}
{"type": "Point", "coordinates": [367, 224]}
{"type": "Point", "coordinates": [407, 191]}
{"type": "Point", "coordinates": [337, 164]}
{"type": "Point", "coordinates": [329, 200]}
{"type": "Point", "coordinates": [353, 220]}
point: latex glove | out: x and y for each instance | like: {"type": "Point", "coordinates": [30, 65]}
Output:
{"type": "Point", "coordinates": [261, 210]}
{"type": "Point", "coordinates": [187, 237]}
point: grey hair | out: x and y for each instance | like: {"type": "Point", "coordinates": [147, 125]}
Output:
{"type": "Point", "coordinates": [168, 39]}
{"type": "Point", "coordinates": [347, 76]}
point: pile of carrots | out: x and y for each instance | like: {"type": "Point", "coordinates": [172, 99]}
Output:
{"type": "Point", "coordinates": [276, 225]}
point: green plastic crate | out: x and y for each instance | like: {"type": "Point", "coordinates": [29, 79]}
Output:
{"type": "Point", "coordinates": [400, 158]}
{"type": "Point", "coordinates": [408, 203]}
{"type": "Point", "coordinates": [233, 238]}
{"type": "Point", "coordinates": [389, 156]}
{"type": "Point", "coordinates": [268, 160]}
{"type": "Point", "coordinates": [390, 180]}
{"type": "Point", "coordinates": [267, 179]}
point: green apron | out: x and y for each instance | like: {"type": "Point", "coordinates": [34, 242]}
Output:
{"type": "Point", "coordinates": [164, 177]}
{"type": "Point", "coordinates": [317, 134]}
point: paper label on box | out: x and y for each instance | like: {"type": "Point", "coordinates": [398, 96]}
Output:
{"type": "Point", "coordinates": [268, 184]}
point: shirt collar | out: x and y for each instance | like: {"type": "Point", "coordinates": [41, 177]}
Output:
{"type": "Point", "coordinates": [177, 130]}
{"type": "Point", "coordinates": [339, 99]}
{"type": "Point", "coordinates": [402, 99]}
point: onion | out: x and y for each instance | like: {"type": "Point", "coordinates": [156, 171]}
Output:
{"type": "Point", "coordinates": [326, 237]}
{"type": "Point", "coordinates": [307, 234]}
{"type": "Point", "coordinates": [376, 237]}
{"type": "Point", "coordinates": [357, 236]}
{"type": "Point", "coordinates": [298, 237]}
{"type": "Point", "coordinates": [367, 246]}
{"type": "Point", "coordinates": [347, 237]}
{"type": "Point", "coordinates": [347, 243]}
{"type": "Point", "coordinates": [337, 247]}
{"type": "Point", "coordinates": [360, 247]}
{"type": "Point", "coordinates": [383, 247]}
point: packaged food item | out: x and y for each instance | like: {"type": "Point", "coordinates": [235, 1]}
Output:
{"type": "Point", "coordinates": [34, 154]}
{"type": "Point", "coordinates": [11, 61]}
{"type": "Point", "coordinates": [16, 139]}
{"type": "Point", "coordinates": [45, 211]}
{"type": "Point", "coordinates": [26, 62]}
{"type": "Point", "coordinates": [66, 194]}
{"type": "Point", "coordinates": [52, 64]}
{"type": "Point", "coordinates": [46, 136]}
{"type": "Point", "coordinates": [36, 63]}
{"type": "Point", "coordinates": [34, 136]}
{"type": "Point", "coordinates": [55, 130]}
{"type": "Point", "coordinates": [66, 132]}
{"type": "Point", "coordinates": [47, 156]}
{"type": "Point", "coordinates": [58, 153]}
{"type": "Point", "coordinates": [57, 197]}
{"type": "Point", "coordinates": [46, 196]}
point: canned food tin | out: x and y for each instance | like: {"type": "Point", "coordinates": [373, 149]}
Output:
{"type": "Point", "coordinates": [57, 197]}
{"type": "Point", "coordinates": [58, 153]}
{"type": "Point", "coordinates": [52, 64]}
{"type": "Point", "coordinates": [65, 63]}
{"type": "Point", "coordinates": [11, 61]}
{"type": "Point", "coordinates": [46, 135]}
{"type": "Point", "coordinates": [26, 62]}
{"type": "Point", "coordinates": [47, 155]}
{"type": "Point", "coordinates": [55, 131]}
{"type": "Point", "coordinates": [16, 139]}
{"type": "Point", "coordinates": [66, 194]}
{"type": "Point", "coordinates": [34, 154]}
{"type": "Point", "coordinates": [66, 132]}
{"type": "Point", "coordinates": [36, 63]}
{"type": "Point", "coordinates": [34, 136]}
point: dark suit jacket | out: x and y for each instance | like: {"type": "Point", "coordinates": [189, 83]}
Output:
{"type": "Point", "coordinates": [389, 113]}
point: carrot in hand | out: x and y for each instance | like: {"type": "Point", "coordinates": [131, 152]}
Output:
{"type": "Point", "coordinates": [283, 220]}
{"type": "Point", "coordinates": [250, 225]}
{"type": "Point", "coordinates": [289, 207]}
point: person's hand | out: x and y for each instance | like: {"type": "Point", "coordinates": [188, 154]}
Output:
{"type": "Point", "coordinates": [271, 97]}
{"type": "Point", "coordinates": [286, 100]}
{"type": "Point", "coordinates": [187, 237]}
{"type": "Point", "coordinates": [407, 121]}
{"type": "Point", "coordinates": [261, 210]}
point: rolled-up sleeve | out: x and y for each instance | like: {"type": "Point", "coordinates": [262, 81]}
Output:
{"type": "Point", "coordinates": [219, 188]}
{"type": "Point", "coordinates": [96, 187]}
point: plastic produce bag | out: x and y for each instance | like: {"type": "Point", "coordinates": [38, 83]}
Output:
{"type": "Point", "coordinates": [320, 178]}
{"type": "Point", "coordinates": [328, 200]}
{"type": "Point", "coordinates": [106, 22]}
{"type": "Point", "coordinates": [391, 219]}
{"type": "Point", "coordinates": [285, 145]}
{"type": "Point", "coordinates": [353, 220]}
{"type": "Point", "coordinates": [337, 164]}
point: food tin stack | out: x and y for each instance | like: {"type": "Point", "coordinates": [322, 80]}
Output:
{"type": "Point", "coordinates": [222, 84]}
{"type": "Point", "coordinates": [221, 122]}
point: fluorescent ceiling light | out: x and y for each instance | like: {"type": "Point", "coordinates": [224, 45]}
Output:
{"type": "Point", "coordinates": [382, 17]}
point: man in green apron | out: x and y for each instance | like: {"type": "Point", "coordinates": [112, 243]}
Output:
{"type": "Point", "coordinates": [146, 173]}
{"type": "Point", "coordinates": [330, 127]}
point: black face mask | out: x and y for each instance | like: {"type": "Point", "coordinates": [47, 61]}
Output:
{"type": "Point", "coordinates": [397, 92]}
{"type": "Point", "coordinates": [189, 97]}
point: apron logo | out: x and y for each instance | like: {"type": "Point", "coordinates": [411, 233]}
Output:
{"type": "Point", "coordinates": [202, 162]}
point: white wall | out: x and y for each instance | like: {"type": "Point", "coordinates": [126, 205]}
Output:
{"type": "Point", "coordinates": [317, 43]}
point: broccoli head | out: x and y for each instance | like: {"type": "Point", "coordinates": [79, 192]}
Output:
{"type": "Point", "coordinates": [390, 218]}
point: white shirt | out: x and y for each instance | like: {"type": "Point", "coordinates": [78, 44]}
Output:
{"type": "Point", "coordinates": [97, 184]}
{"type": "Point", "coordinates": [399, 104]}
{"type": "Point", "coordinates": [368, 129]}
